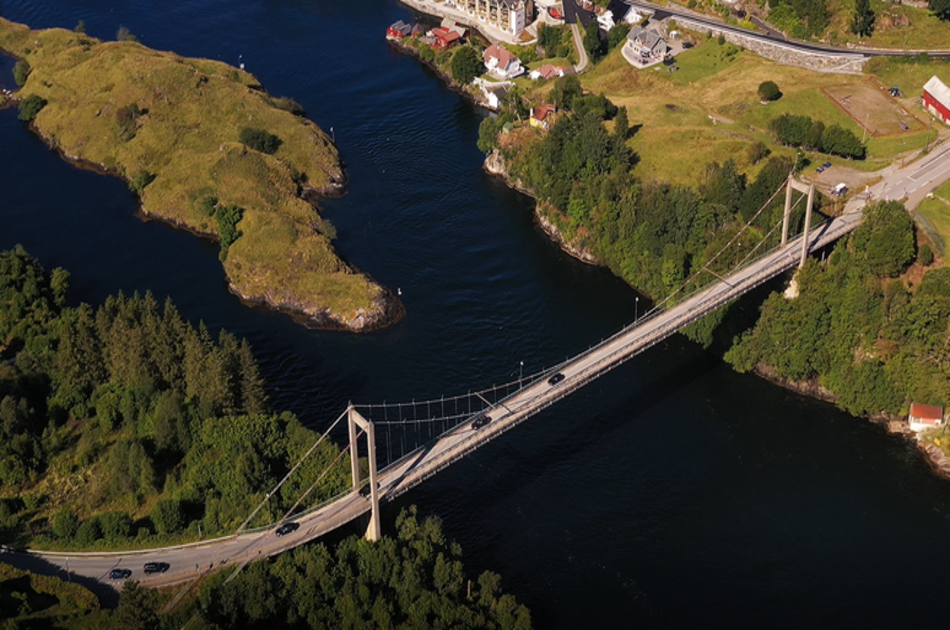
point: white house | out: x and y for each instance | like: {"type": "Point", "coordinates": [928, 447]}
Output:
{"type": "Point", "coordinates": [507, 15]}
{"type": "Point", "coordinates": [923, 417]}
{"type": "Point", "coordinates": [646, 45]}
{"type": "Point", "coordinates": [636, 15]}
{"type": "Point", "coordinates": [502, 63]}
{"type": "Point", "coordinates": [606, 20]}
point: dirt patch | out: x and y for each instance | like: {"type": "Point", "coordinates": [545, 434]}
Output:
{"type": "Point", "coordinates": [873, 108]}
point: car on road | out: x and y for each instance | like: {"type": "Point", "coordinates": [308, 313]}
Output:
{"type": "Point", "coordinates": [287, 528]}
{"type": "Point", "coordinates": [119, 574]}
{"type": "Point", "coordinates": [155, 567]}
{"type": "Point", "coordinates": [557, 378]}
{"type": "Point", "coordinates": [481, 421]}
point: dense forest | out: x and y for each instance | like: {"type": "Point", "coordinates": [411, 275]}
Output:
{"type": "Point", "coordinates": [654, 235]}
{"type": "Point", "coordinates": [412, 580]}
{"type": "Point", "coordinates": [866, 333]}
{"type": "Point", "coordinates": [126, 422]}
{"type": "Point", "coordinates": [857, 328]}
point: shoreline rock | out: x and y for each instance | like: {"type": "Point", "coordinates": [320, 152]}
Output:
{"type": "Point", "coordinates": [496, 166]}
{"type": "Point", "coordinates": [390, 309]}
{"type": "Point", "coordinates": [936, 458]}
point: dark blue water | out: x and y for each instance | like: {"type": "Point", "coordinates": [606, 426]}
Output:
{"type": "Point", "coordinates": [672, 493]}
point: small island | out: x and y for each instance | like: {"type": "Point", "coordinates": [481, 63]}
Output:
{"type": "Point", "coordinates": [207, 150]}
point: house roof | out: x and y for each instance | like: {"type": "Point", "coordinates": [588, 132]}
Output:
{"type": "Point", "coordinates": [548, 71]}
{"type": "Point", "coordinates": [939, 90]}
{"type": "Point", "coordinates": [540, 112]}
{"type": "Point", "coordinates": [925, 412]}
{"type": "Point", "coordinates": [502, 54]}
{"type": "Point", "coordinates": [647, 37]}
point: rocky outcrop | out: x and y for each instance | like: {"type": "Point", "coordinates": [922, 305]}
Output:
{"type": "Point", "coordinates": [936, 457]}
{"type": "Point", "coordinates": [496, 165]}
{"type": "Point", "coordinates": [388, 310]}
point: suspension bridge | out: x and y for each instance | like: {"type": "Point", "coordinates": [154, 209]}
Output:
{"type": "Point", "coordinates": [415, 440]}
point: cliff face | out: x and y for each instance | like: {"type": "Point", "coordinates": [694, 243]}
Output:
{"type": "Point", "coordinates": [496, 165]}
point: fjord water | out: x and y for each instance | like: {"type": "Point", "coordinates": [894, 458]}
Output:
{"type": "Point", "coordinates": [672, 493]}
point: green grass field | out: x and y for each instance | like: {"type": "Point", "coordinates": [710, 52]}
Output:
{"type": "Point", "coordinates": [192, 112]}
{"type": "Point", "coordinates": [896, 26]}
{"type": "Point", "coordinates": [709, 109]}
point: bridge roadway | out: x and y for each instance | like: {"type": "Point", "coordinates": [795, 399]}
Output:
{"type": "Point", "coordinates": [190, 561]}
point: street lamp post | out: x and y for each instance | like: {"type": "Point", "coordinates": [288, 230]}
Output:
{"type": "Point", "coordinates": [636, 308]}
{"type": "Point", "coordinates": [520, 373]}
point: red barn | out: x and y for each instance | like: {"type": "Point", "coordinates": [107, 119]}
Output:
{"type": "Point", "coordinates": [937, 99]}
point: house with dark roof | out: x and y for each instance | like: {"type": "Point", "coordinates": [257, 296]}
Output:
{"type": "Point", "coordinates": [399, 30]}
{"type": "Point", "coordinates": [645, 45]}
{"type": "Point", "coordinates": [937, 99]}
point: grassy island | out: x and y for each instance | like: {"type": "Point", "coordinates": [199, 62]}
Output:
{"type": "Point", "coordinates": [207, 150]}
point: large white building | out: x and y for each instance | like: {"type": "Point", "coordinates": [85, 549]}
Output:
{"type": "Point", "coordinates": [506, 15]}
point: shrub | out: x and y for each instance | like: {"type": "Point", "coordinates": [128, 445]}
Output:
{"type": "Point", "coordinates": [260, 140]}
{"type": "Point", "coordinates": [768, 91]}
{"type": "Point", "coordinates": [124, 35]}
{"type": "Point", "coordinates": [80, 27]}
{"type": "Point", "coordinates": [116, 525]}
{"type": "Point", "coordinates": [89, 532]}
{"type": "Point", "coordinates": [140, 180]}
{"type": "Point", "coordinates": [925, 255]}
{"type": "Point", "coordinates": [758, 151]}
{"type": "Point", "coordinates": [20, 72]}
{"type": "Point", "coordinates": [466, 65]}
{"type": "Point", "coordinates": [167, 516]}
{"type": "Point", "coordinates": [30, 107]}
{"type": "Point", "coordinates": [227, 218]}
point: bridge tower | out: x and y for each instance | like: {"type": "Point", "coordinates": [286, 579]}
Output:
{"type": "Point", "coordinates": [810, 191]}
{"type": "Point", "coordinates": [354, 420]}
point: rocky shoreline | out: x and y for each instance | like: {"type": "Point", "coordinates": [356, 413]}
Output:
{"type": "Point", "coordinates": [388, 308]}
{"type": "Point", "coordinates": [496, 166]}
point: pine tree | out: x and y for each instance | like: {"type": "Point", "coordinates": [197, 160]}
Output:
{"type": "Point", "coordinates": [863, 22]}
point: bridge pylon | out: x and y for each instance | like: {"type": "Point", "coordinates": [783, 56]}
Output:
{"type": "Point", "coordinates": [354, 420]}
{"type": "Point", "coordinates": [810, 191]}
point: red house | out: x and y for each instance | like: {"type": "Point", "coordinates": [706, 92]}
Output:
{"type": "Point", "coordinates": [937, 99]}
{"type": "Point", "coordinates": [398, 30]}
{"type": "Point", "coordinates": [444, 38]}
{"type": "Point", "coordinates": [923, 417]}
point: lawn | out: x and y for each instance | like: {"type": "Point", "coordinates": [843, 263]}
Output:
{"type": "Point", "coordinates": [895, 26]}
{"type": "Point", "coordinates": [185, 132]}
{"type": "Point", "coordinates": [709, 110]}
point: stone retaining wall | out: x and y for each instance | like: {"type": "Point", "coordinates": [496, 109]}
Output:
{"type": "Point", "coordinates": [837, 63]}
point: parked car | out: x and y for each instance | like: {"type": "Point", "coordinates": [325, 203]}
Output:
{"type": "Point", "coordinates": [119, 574]}
{"type": "Point", "coordinates": [820, 169]}
{"type": "Point", "coordinates": [155, 567]}
{"type": "Point", "coordinates": [557, 378]}
{"type": "Point", "coordinates": [481, 421]}
{"type": "Point", "coordinates": [827, 164]}
{"type": "Point", "coordinates": [287, 528]}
